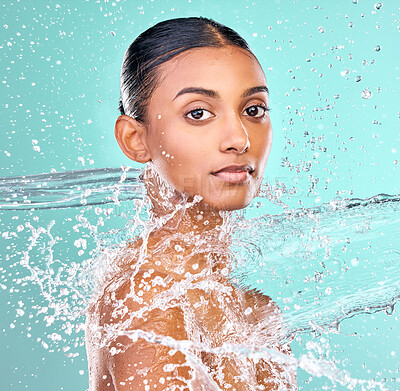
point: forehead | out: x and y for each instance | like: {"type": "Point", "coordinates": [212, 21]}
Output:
{"type": "Point", "coordinates": [214, 68]}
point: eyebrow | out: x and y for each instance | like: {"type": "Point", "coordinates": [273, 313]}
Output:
{"type": "Point", "coordinates": [215, 95]}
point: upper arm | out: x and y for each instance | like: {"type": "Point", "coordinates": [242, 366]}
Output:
{"type": "Point", "coordinates": [275, 375]}
{"type": "Point", "coordinates": [140, 364]}
{"type": "Point", "coordinates": [127, 364]}
{"type": "Point", "coordinates": [148, 366]}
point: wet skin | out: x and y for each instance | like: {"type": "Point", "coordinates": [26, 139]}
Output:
{"type": "Point", "coordinates": [209, 112]}
{"type": "Point", "coordinates": [208, 132]}
{"type": "Point", "coordinates": [208, 309]}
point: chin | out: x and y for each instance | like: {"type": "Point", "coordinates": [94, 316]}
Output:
{"type": "Point", "coordinates": [228, 204]}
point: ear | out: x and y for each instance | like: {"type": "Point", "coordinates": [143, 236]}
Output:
{"type": "Point", "coordinates": [131, 137]}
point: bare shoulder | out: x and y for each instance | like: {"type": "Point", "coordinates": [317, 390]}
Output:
{"type": "Point", "coordinates": [136, 301]}
{"type": "Point", "coordinates": [125, 331]}
{"type": "Point", "coordinates": [139, 301]}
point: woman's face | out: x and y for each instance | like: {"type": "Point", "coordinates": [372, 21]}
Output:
{"type": "Point", "coordinates": [208, 130]}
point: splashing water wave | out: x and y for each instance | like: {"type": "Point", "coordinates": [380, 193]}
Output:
{"type": "Point", "coordinates": [70, 189]}
{"type": "Point", "coordinates": [331, 262]}
{"type": "Point", "coordinates": [319, 265]}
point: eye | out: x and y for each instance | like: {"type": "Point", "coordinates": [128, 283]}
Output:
{"type": "Point", "coordinates": [199, 114]}
{"type": "Point", "coordinates": [256, 111]}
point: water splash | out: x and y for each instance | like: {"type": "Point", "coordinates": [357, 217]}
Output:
{"type": "Point", "coordinates": [366, 94]}
{"type": "Point", "coordinates": [331, 262]}
{"type": "Point", "coordinates": [319, 265]}
{"type": "Point", "coordinates": [70, 189]}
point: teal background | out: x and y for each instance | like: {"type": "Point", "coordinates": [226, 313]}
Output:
{"type": "Point", "coordinates": [59, 78]}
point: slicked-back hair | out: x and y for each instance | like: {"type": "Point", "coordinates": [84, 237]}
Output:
{"type": "Point", "coordinates": [160, 43]}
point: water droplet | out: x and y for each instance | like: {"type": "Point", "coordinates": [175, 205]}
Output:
{"type": "Point", "coordinates": [355, 261]}
{"type": "Point", "coordinates": [354, 1]}
{"type": "Point", "coordinates": [321, 29]}
{"type": "Point", "coordinates": [389, 309]}
{"type": "Point", "coordinates": [328, 290]}
{"type": "Point", "coordinates": [358, 78]}
{"type": "Point", "coordinates": [351, 24]}
{"type": "Point", "coordinates": [112, 33]}
{"type": "Point", "coordinates": [378, 6]}
{"type": "Point", "coordinates": [366, 94]}
{"type": "Point", "coordinates": [377, 48]}
{"type": "Point", "coordinates": [20, 312]}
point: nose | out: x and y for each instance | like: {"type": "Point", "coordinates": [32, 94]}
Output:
{"type": "Point", "coordinates": [234, 136]}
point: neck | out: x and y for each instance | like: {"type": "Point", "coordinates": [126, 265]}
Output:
{"type": "Point", "coordinates": [176, 211]}
{"type": "Point", "coordinates": [186, 223]}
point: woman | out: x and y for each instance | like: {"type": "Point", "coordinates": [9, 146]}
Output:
{"type": "Point", "coordinates": [194, 105]}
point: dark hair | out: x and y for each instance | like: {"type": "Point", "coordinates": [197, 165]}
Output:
{"type": "Point", "coordinates": [159, 44]}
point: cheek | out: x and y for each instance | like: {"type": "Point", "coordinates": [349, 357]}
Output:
{"type": "Point", "coordinates": [169, 160]}
{"type": "Point", "coordinates": [268, 144]}
{"type": "Point", "coordinates": [162, 149]}
{"type": "Point", "coordinates": [262, 146]}
{"type": "Point", "coordinates": [182, 166]}
{"type": "Point", "coordinates": [176, 150]}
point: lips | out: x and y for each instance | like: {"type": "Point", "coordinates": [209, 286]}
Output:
{"type": "Point", "coordinates": [234, 173]}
